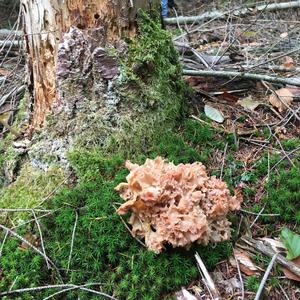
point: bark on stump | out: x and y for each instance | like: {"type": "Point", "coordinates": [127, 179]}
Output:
{"type": "Point", "coordinates": [46, 22]}
{"type": "Point", "coordinates": [74, 54]}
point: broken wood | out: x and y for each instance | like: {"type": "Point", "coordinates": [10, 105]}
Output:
{"type": "Point", "coordinates": [267, 250]}
{"type": "Point", "coordinates": [230, 74]}
{"type": "Point", "coordinates": [239, 12]}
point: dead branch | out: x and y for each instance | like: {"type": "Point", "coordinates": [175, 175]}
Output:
{"type": "Point", "coordinates": [13, 44]}
{"type": "Point", "coordinates": [237, 13]}
{"type": "Point", "coordinates": [230, 74]}
{"type": "Point", "coordinates": [206, 278]}
{"type": "Point", "coordinates": [72, 241]}
{"type": "Point", "coordinates": [15, 91]}
{"type": "Point", "coordinates": [57, 286]}
{"type": "Point", "coordinates": [7, 33]}
{"type": "Point", "coordinates": [266, 250]}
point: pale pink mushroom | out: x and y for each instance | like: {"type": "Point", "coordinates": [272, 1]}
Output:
{"type": "Point", "coordinates": [176, 205]}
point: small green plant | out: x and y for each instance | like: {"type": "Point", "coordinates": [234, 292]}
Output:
{"type": "Point", "coordinates": [252, 283]}
{"type": "Point", "coordinates": [291, 241]}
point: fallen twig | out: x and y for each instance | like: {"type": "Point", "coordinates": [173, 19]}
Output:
{"type": "Point", "coordinates": [3, 242]}
{"type": "Point", "coordinates": [266, 275]}
{"type": "Point", "coordinates": [72, 240]}
{"type": "Point", "coordinates": [41, 235]}
{"type": "Point", "coordinates": [57, 286]}
{"type": "Point", "coordinates": [127, 227]}
{"type": "Point", "coordinates": [291, 81]}
{"type": "Point", "coordinates": [15, 91]}
{"type": "Point", "coordinates": [70, 289]}
{"type": "Point", "coordinates": [240, 276]}
{"type": "Point", "coordinates": [236, 13]}
{"type": "Point", "coordinates": [256, 214]}
{"type": "Point", "coordinates": [206, 278]}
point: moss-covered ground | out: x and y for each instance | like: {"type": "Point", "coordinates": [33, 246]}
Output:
{"type": "Point", "coordinates": [104, 251]}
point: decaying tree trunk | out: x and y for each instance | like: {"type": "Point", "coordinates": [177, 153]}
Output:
{"type": "Point", "coordinates": [98, 76]}
{"type": "Point", "coordinates": [46, 22]}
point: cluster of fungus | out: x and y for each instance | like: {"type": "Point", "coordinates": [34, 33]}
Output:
{"type": "Point", "coordinates": [176, 204]}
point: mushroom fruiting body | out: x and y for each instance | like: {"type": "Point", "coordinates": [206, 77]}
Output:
{"type": "Point", "coordinates": [176, 205]}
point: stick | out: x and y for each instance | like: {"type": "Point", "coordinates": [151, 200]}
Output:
{"type": "Point", "coordinates": [40, 288]}
{"type": "Point", "coordinates": [72, 241]}
{"type": "Point", "coordinates": [206, 277]}
{"type": "Point", "coordinates": [266, 275]}
{"type": "Point", "coordinates": [7, 44]}
{"type": "Point", "coordinates": [237, 13]}
{"type": "Point", "coordinates": [291, 81]}
{"type": "Point", "coordinates": [23, 210]}
{"type": "Point", "coordinates": [240, 276]}
{"type": "Point", "coordinates": [69, 289]}
{"type": "Point", "coordinates": [223, 161]}
{"type": "Point", "coordinates": [16, 91]}
{"type": "Point", "coordinates": [3, 242]}
{"type": "Point", "coordinates": [265, 249]}
{"type": "Point", "coordinates": [41, 236]}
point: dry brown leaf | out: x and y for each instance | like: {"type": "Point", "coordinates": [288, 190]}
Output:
{"type": "Point", "coordinates": [291, 275]}
{"type": "Point", "coordinates": [246, 264]}
{"type": "Point", "coordinates": [288, 62]}
{"type": "Point", "coordinates": [4, 72]}
{"type": "Point", "coordinates": [282, 99]}
{"type": "Point", "coordinates": [249, 103]}
{"type": "Point", "coordinates": [295, 90]}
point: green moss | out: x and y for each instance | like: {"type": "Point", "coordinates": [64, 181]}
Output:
{"type": "Point", "coordinates": [252, 283]}
{"type": "Point", "coordinates": [104, 251]}
{"type": "Point", "coordinates": [21, 114]}
{"type": "Point", "coordinates": [20, 268]}
{"type": "Point", "coordinates": [150, 88]}
{"type": "Point", "coordinates": [30, 187]}
{"type": "Point", "coordinates": [281, 187]}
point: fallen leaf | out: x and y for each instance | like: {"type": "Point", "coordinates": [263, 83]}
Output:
{"type": "Point", "coordinates": [4, 72]}
{"type": "Point", "coordinates": [249, 103]}
{"type": "Point", "coordinates": [289, 274]}
{"type": "Point", "coordinates": [185, 295]}
{"type": "Point", "coordinates": [281, 99]}
{"type": "Point", "coordinates": [295, 90]}
{"type": "Point", "coordinates": [288, 62]}
{"type": "Point", "coordinates": [291, 242]}
{"type": "Point", "coordinates": [213, 114]}
{"type": "Point", "coordinates": [228, 97]}
{"type": "Point", "coordinates": [231, 285]}
{"type": "Point", "coordinates": [284, 35]}
{"type": "Point", "coordinates": [245, 263]}
{"type": "Point", "coordinates": [250, 33]}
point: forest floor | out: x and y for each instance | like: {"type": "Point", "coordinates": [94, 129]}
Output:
{"type": "Point", "coordinates": [239, 128]}
{"type": "Point", "coordinates": [264, 43]}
